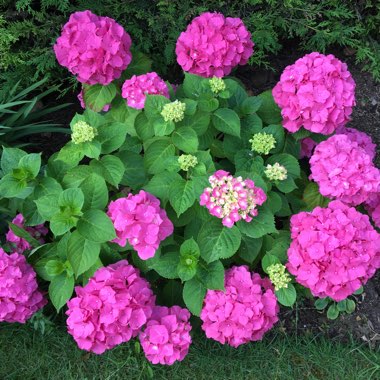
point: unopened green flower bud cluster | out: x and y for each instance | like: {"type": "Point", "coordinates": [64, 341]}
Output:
{"type": "Point", "coordinates": [217, 85]}
{"type": "Point", "coordinates": [82, 132]}
{"type": "Point", "coordinates": [187, 161]}
{"type": "Point", "coordinates": [279, 277]}
{"type": "Point", "coordinates": [276, 172]}
{"type": "Point", "coordinates": [174, 111]}
{"type": "Point", "coordinates": [262, 143]}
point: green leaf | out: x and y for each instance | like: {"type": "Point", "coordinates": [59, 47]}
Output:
{"type": "Point", "coordinates": [166, 265]}
{"type": "Point", "coordinates": [144, 128]}
{"type": "Point", "coordinates": [193, 294]}
{"type": "Point", "coordinates": [46, 186]}
{"type": "Point", "coordinates": [212, 275]}
{"type": "Point", "coordinates": [280, 247]}
{"type": "Point", "coordinates": [11, 187]}
{"type": "Point", "coordinates": [31, 163]}
{"type": "Point", "coordinates": [250, 248]}
{"type": "Point", "coordinates": [190, 247]}
{"type": "Point", "coordinates": [156, 155]}
{"type": "Point", "coordinates": [194, 85]}
{"type": "Point", "coordinates": [301, 134]}
{"type": "Point", "coordinates": [110, 168]}
{"type": "Point", "coordinates": [350, 306]}
{"type": "Point", "coordinates": [181, 195]}
{"type": "Point", "coordinates": [274, 202]}
{"type": "Point", "coordinates": [54, 268]}
{"type": "Point", "coordinates": [333, 312]}
{"type": "Point", "coordinates": [61, 223]}
{"type": "Point", "coordinates": [10, 159]}
{"type": "Point", "coordinates": [95, 192]}
{"type": "Point", "coordinates": [154, 105]}
{"type": "Point", "coordinates": [321, 303]}
{"type": "Point", "coordinates": [98, 95]}
{"type": "Point", "coordinates": [286, 296]}
{"type": "Point", "coordinates": [208, 104]}
{"type": "Point", "coordinates": [261, 225]}
{"type": "Point", "coordinates": [290, 162]}
{"type": "Point", "coordinates": [112, 136]}
{"type": "Point", "coordinates": [185, 139]}
{"type": "Point", "coordinates": [227, 121]}
{"type": "Point", "coordinates": [269, 112]}
{"type": "Point", "coordinates": [72, 198]}
{"type": "Point", "coordinates": [20, 232]}
{"type": "Point", "coordinates": [91, 149]}
{"type": "Point", "coordinates": [60, 290]}
{"type": "Point", "coordinates": [186, 272]}
{"type": "Point", "coordinates": [132, 144]}
{"type": "Point", "coordinates": [75, 176]}
{"type": "Point", "coordinates": [71, 154]}
{"type": "Point", "coordinates": [140, 64]}
{"type": "Point", "coordinates": [251, 105]}
{"type": "Point", "coordinates": [134, 170]}
{"type": "Point", "coordinates": [313, 198]}
{"type": "Point", "coordinates": [269, 260]}
{"type": "Point", "coordinates": [81, 253]}
{"type": "Point", "coordinates": [199, 122]}
{"type": "Point", "coordinates": [160, 183]}
{"type": "Point", "coordinates": [218, 242]}
{"type": "Point", "coordinates": [96, 226]}
{"type": "Point", "coordinates": [162, 127]}
{"type": "Point", "coordinates": [47, 206]}
{"type": "Point", "coordinates": [342, 305]}
{"type": "Point", "coordinates": [278, 132]}
{"type": "Point", "coordinates": [191, 106]}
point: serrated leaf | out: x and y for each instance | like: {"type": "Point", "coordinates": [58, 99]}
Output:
{"type": "Point", "coordinates": [193, 294]}
{"type": "Point", "coordinates": [60, 290]}
{"type": "Point", "coordinates": [261, 225]}
{"type": "Point", "coordinates": [160, 184]}
{"type": "Point", "coordinates": [156, 155]}
{"type": "Point", "coordinates": [185, 139]}
{"type": "Point", "coordinates": [287, 296]}
{"type": "Point", "coordinates": [96, 226]}
{"type": "Point", "coordinates": [166, 265]}
{"type": "Point", "coordinates": [97, 96]}
{"type": "Point", "coordinates": [111, 168]}
{"type": "Point", "coordinates": [226, 121]}
{"type": "Point", "coordinates": [181, 195]}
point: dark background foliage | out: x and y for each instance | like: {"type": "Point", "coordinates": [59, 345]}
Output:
{"type": "Point", "coordinates": [29, 28]}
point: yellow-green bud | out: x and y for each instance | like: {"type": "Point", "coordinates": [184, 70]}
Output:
{"type": "Point", "coordinates": [276, 172]}
{"type": "Point", "coordinates": [82, 132]}
{"type": "Point", "coordinates": [280, 279]}
{"type": "Point", "coordinates": [187, 161]}
{"type": "Point", "coordinates": [262, 142]}
{"type": "Point", "coordinates": [174, 111]}
{"type": "Point", "coordinates": [217, 85]}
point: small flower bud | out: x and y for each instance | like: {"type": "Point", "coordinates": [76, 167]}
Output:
{"type": "Point", "coordinates": [276, 172]}
{"type": "Point", "coordinates": [217, 85]}
{"type": "Point", "coordinates": [82, 132]}
{"type": "Point", "coordinates": [262, 143]}
{"type": "Point", "coordinates": [280, 279]}
{"type": "Point", "coordinates": [174, 111]}
{"type": "Point", "coordinates": [187, 161]}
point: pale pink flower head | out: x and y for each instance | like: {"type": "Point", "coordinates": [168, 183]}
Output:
{"type": "Point", "coordinates": [334, 250]}
{"type": "Point", "coordinates": [94, 48]}
{"type": "Point", "coordinates": [213, 45]}
{"type": "Point", "coordinates": [232, 199]}
{"type": "Point", "coordinates": [20, 245]}
{"type": "Point", "coordinates": [134, 90]}
{"type": "Point", "coordinates": [372, 206]}
{"type": "Point", "coordinates": [139, 220]}
{"type": "Point", "coordinates": [242, 313]}
{"type": "Point", "coordinates": [317, 92]}
{"type": "Point", "coordinates": [362, 139]}
{"type": "Point", "coordinates": [166, 337]}
{"type": "Point", "coordinates": [343, 170]}
{"type": "Point", "coordinates": [83, 104]}
{"type": "Point", "coordinates": [111, 309]}
{"type": "Point", "coordinates": [307, 147]}
{"type": "Point", "coordinates": [19, 294]}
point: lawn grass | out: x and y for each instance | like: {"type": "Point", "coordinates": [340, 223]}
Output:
{"type": "Point", "coordinates": [26, 354]}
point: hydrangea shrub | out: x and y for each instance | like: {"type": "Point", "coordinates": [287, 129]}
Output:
{"type": "Point", "coordinates": [231, 204]}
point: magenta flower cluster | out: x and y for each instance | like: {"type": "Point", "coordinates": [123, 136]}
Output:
{"type": "Point", "coordinates": [166, 338]}
{"type": "Point", "coordinates": [139, 220]}
{"type": "Point", "coordinates": [96, 49]}
{"type": "Point", "coordinates": [372, 206]}
{"type": "Point", "coordinates": [19, 294]}
{"type": "Point", "coordinates": [110, 309]}
{"type": "Point", "coordinates": [242, 313]}
{"type": "Point", "coordinates": [232, 199]}
{"type": "Point", "coordinates": [19, 244]}
{"type": "Point", "coordinates": [317, 92]}
{"type": "Point", "coordinates": [344, 170]}
{"type": "Point", "coordinates": [213, 45]}
{"type": "Point", "coordinates": [134, 90]}
{"type": "Point", "coordinates": [334, 250]}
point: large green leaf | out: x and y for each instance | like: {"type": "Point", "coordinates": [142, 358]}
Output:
{"type": "Point", "coordinates": [96, 226]}
{"type": "Point", "coordinates": [95, 192]}
{"type": "Point", "coordinates": [181, 195]}
{"type": "Point", "coordinates": [60, 290]}
{"type": "Point", "coordinates": [313, 198]}
{"type": "Point", "coordinates": [227, 121]}
{"type": "Point", "coordinates": [10, 159]}
{"type": "Point", "coordinates": [185, 139]}
{"type": "Point", "coordinates": [260, 225]}
{"type": "Point", "coordinates": [156, 155]}
{"type": "Point", "coordinates": [193, 294]}
{"type": "Point", "coordinates": [110, 168]}
{"type": "Point", "coordinates": [269, 112]}
{"type": "Point", "coordinates": [97, 96]}
{"type": "Point", "coordinates": [287, 296]}
{"type": "Point", "coordinates": [166, 265]}
{"type": "Point", "coordinates": [160, 184]}
{"type": "Point", "coordinates": [212, 275]}
{"type": "Point", "coordinates": [134, 170]}
{"type": "Point", "coordinates": [112, 136]}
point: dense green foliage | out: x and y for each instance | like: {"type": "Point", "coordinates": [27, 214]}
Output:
{"type": "Point", "coordinates": [29, 28]}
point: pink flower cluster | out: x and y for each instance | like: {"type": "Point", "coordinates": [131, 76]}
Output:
{"type": "Point", "coordinates": [334, 250]}
{"type": "Point", "coordinates": [213, 45]}
{"type": "Point", "coordinates": [136, 89]}
{"type": "Point", "coordinates": [20, 244]}
{"type": "Point", "coordinates": [96, 49]}
{"type": "Point", "coordinates": [343, 170]}
{"type": "Point", "coordinates": [83, 104]}
{"type": "Point", "coordinates": [111, 309]}
{"type": "Point", "coordinates": [19, 294]}
{"type": "Point", "coordinates": [232, 199]}
{"type": "Point", "coordinates": [372, 206]}
{"type": "Point", "coordinates": [166, 338]}
{"type": "Point", "coordinates": [317, 92]}
{"type": "Point", "coordinates": [244, 312]}
{"type": "Point", "coordinates": [140, 220]}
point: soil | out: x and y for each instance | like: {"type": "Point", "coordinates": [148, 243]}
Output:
{"type": "Point", "coordinates": [364, 323]}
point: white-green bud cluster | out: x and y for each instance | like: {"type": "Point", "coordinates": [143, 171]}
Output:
{"type": "Point", "coordinates": [82, 132]}
{"type": "Point", "coordinates": [174, 111]}
{"type": "Point", "coordinates": [279, 277]}
{"type": "Point", "coordinates": [276, 172]}
{"type": "Point", "coordinates": [262, 143]}
{"type": "Point", "coordinates": [217, 85]}
{"type": "Point", "coordinates": [187, 161]}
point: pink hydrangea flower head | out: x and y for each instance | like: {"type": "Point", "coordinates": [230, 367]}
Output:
{"type": "Point", "coordinates": [139, 220]}
{"type": "Point", "coordinates": [334, 250]}
{"type": "Point", "coordinates": [232, 199]}
{"type": "Point", "coordinates": [96, 49]}
{"type": "Point", "coordinates": [166, 338]}
{"type": "Point", "coordinates": [111, 309]}
{"type": "Point", "coordinates": [317, 92]}
{"type": "Point", "coordinates": [83, 104]}
{"type": "Point", "coordinates": [364, 141]}
{"type": "Point", "coordinates": [343, 170]}
{"type": "Point", "coordinates": [20, 245]}
{"type": "Point", "coordinates": [242, 313]}
{"type": "Point", "coordinates": [307, 147]}
{"type": "Point", "coordinates": [213, 45]}
{"type": "Point", "coordinates": [19, 294]}
{"type": "Point", "coordinates": [134, 90]}
{"type": "Point", "coordinates": [372, 206]}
